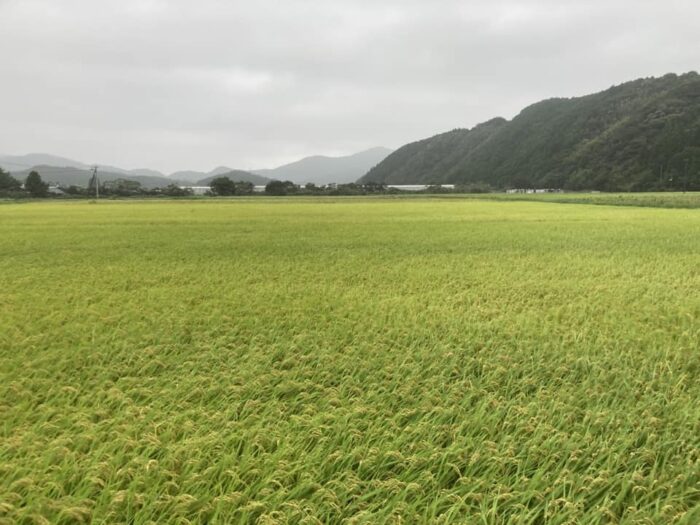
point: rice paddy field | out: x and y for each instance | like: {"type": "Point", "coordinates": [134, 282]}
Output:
{"type": "Point", "coordinates": [349, 361]}
{"type": "Point", "coordinates": [649, 199]}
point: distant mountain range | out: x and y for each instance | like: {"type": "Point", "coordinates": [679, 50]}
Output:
{"type": "Point", "coordinates": [67, 172]}
{"type": "Point", "coordinates": [317, 169]}
{"type": "Point", "coordinates": [641, 135]}
{"type": "Point", "coordinates": [18, 163]}
{"type": "Point", "coordinates": [325, 170]}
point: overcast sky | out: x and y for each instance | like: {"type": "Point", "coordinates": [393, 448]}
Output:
{"type": "Point", "coordinates": [194, 84]}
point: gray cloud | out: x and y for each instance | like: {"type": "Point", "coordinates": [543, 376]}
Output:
{"type": "Point", "coordinates": [177, 84]}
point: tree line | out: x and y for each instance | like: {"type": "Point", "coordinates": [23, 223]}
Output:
{"type": "Point", "coordinates": [35, 187]}
{"type": "Point", "coordinates": [224, 186]}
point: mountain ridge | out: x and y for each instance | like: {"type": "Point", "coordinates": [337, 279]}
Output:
{"type": "Point", "coordinates": [639, 135]}
{"type": "Point", "coordinates": [319, 169]}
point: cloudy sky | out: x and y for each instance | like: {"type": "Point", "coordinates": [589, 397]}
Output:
{"type": "Point", "coordinates": [250, 84]}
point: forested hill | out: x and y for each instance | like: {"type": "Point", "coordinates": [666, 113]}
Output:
{"type": "Point", "coordinates": [641, 135]}
{"type": "Point", "coordinates": [237, 176]}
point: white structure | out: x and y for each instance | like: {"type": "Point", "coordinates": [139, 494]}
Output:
{"type": "Point", "coordinates": [197, 190]}
{"type": "Point", "coordinates": [530, 190]}
{"type": "Point", "coordinates": [419, 187]}
{"type": "Point", "coordinates": [203, 190]}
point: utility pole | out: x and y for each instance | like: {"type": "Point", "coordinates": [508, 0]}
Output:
{"type": "Point", "coordinates": [96, 181]}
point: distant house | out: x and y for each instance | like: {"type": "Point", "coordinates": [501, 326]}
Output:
{"type": "Point", "coordinates": [204, 190]}
{"type": "Point", "coordinates": [55, 190]}
{"type": "Point", "coordinates": [419, 187]}
{"type": "Point", "coordinates": [197, 190]}
{"type": "Point", "coordinates": [534, 190]}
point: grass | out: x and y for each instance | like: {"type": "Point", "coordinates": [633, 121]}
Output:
{"type": "Point", "coordinates": [650, 199]}
{"type": "Point", "coordinates": [349, 361]}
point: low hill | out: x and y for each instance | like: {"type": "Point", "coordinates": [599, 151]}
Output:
{"type": "Point", "coordinates": [77, 174]}
{"type": "Point", "coordinates": [641, 135]}
{"type": "Point", "coordinates": [326, 170]}
{"type": "Point", "coordinates": [67, 176]}
{"type": "Point", "coordinates": [18, 164]}
{"type": "Point", "coordinates": [237, 176]}
{"type": "Point", "coordinates": [193, 177]}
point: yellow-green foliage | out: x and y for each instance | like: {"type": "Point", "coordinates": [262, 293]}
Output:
{"type": "Point", "coordinates": [648, 199]}
{"type": "Point", "coordinates": [356, 361]}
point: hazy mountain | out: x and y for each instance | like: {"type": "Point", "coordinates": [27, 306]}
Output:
{"type": "Point", "coordinates": [324, 170]}
{"type": "Point", "coordinates": [139, 172]}
{"type": "Point", "coordinates": [16, 163]}
{"type": "Point", "coordinates": [191, 176]}
{"type": "Point", "coordinates": [640, 135]}
{"type": "Point", "coordinates": [188, 176]}
{"type": "Point", "coordinates": [66, 172]}
{"type": "Point", "coordinates": [235, 175]}
{"type": "Point", "coordinates": [221, 170]}
{"type": "Point", "coordinates": [67, 176]}
{"type": "Point", "coordinates": [73, 176]}
{"type": "Point", "coordinates": [317, 169]}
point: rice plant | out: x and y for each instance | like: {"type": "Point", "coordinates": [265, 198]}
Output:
{"type": "Point", "coordinates": [349, 361]}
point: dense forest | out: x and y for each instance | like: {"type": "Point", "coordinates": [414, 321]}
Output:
{"type": "Point", "coordinates": [639, 136]}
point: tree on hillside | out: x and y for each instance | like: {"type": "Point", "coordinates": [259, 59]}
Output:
{"type": "Point", "coordinates": [8, 182]}
{"type": "Point", "coordinates": [223, 186]}
{"type": "Point", "coordinates": [35, 186]}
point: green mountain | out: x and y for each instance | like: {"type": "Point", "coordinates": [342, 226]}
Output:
{"type": "Point", "coordinates": [236, 176]}
{"type": "Point", "coordinates": [641, 135]}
